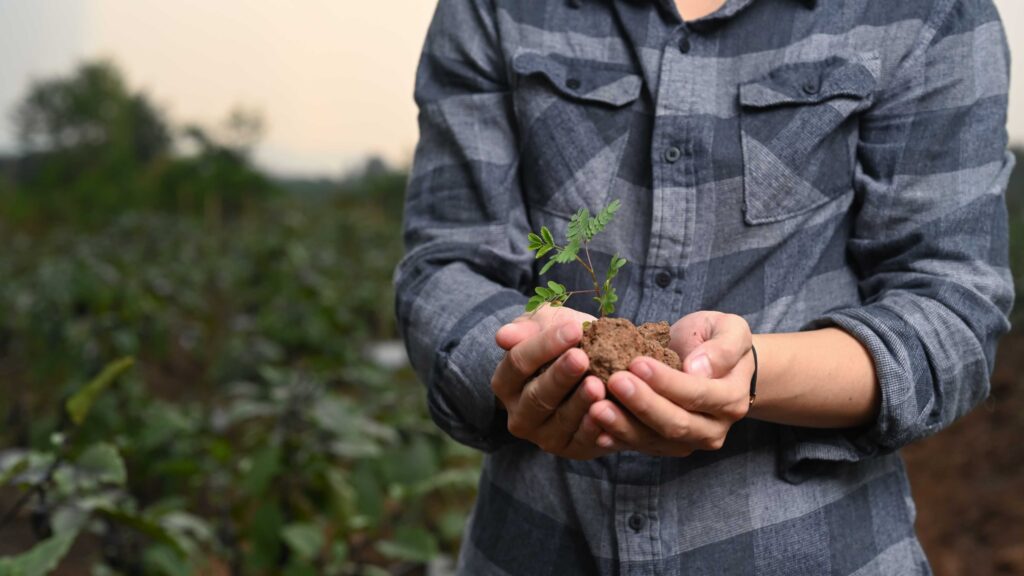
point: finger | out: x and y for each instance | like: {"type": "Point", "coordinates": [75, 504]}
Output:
{"type": "Point", "coordinates": [667, 419]}
{"type": "Point", "coordinates": [729, 342]}
{"type": "Point", "coordinates": [543, 395]}
{"type": "Point", "coordinates": [620, 428]}
{"type": "Point", "coordinates": [515, 332]}
{"type": "Point", "coordinates": [692, 393]}
{"type": "Point", "coordinates": [585, 444]}
{"type": "Point", "coordinates": [524, 359]}
{"type": "Point", "coordinates": [696, 433]}
{"type": "Point", "coordinates": [692, 330]}
{"type": "Point", "coordinates": [567, 417]}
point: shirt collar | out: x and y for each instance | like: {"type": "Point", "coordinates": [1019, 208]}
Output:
{"type": "Point", "coordinates": [733, 6]}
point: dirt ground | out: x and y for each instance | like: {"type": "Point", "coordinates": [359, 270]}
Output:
{"type": "Point", "coordinates": [968, 480]}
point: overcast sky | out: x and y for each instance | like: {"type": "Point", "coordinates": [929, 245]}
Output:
{"type": "Point", "coordinates": [333, 78]}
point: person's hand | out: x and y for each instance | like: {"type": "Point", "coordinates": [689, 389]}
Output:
{"type": "Point", "coordinates": [672, 413]}
{"type": "Point", "coordinates": [545, 409]}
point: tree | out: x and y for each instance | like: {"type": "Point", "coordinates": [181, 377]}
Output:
{"type": "Point", "coordinates": [92, 111]}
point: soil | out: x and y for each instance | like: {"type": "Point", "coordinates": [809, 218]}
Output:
{"type": "Point", "coordinates": [612, 343]}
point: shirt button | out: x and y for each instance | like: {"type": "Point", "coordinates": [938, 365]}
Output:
{"type": "Point", "coordinates": [811, 87]}
{"type": "Point", "coordinates": [636, 522]}
{"type": "Point", "coordinates": [572, 83]}
{"type": "Point", "coordinates": [672, 154]}
{"type": "Point", "coordinates": [684, 44]}
{"type": "Point", "coordinates": [663, 279]}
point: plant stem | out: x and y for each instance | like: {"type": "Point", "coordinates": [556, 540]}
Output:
{"type": "Point", "coordinates": [590, 268]}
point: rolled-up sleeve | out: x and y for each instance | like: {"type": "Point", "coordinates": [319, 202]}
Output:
{"type": "Point", "coordinates": [465, 226]}
{"type": "Point", "coordinates": [929, 240]}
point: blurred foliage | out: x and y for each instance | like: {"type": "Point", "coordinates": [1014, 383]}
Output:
{"type": "Point", "coordinates": [252, 411]}
{"type": "Point", "coordinates": [92, 148]}
{"type": "Point", "coordinates": [185, 367]}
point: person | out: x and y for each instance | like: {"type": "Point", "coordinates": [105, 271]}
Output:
{"type": "Point", "coordinates": [820, 182]}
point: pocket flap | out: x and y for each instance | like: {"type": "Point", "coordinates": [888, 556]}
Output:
{"type": "Point", "coordinates": [810, 82]}
{"type": "Point", "coordinates": [584, 81]}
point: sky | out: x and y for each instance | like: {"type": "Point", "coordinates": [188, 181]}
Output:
{"type": "Point", "coordinates": [333, 79]}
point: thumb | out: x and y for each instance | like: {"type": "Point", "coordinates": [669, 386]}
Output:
{"type": "Point", "coordinates": [717, 356]}
{"type": "Point", "coordinates": [510, 335]}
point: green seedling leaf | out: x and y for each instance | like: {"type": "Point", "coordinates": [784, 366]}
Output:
{"type": "Point", "coordinates": [547, 266]}
{"type": "Point", "coordinates": [597, 223]}
{"type": "Point", "coordinates": [569, 253]}
{"type": "Point", "coordinates": [79, 405]}
{"type": "Point", "coordinates": [536, 241]}
{"type": "Point", "coordinates": [580, 231]}
{"type": "Point", "coordinates": [545, 233]}
{"type": "Point", "coordinates": [534, 303]}
{"type": "Point", "coordinates": [576, 232]}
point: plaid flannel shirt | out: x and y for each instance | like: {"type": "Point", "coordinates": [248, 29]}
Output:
{"type": "Point", "coordinates": [800, 163]}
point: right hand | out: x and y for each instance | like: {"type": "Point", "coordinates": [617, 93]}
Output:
{"type": "Point", "coordinates": [550, 409]}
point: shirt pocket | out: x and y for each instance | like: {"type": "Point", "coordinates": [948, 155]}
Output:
{"type": "Point", "coordinates": [574, 118]}
{"type": "Point", "coordinates": [797, 127]}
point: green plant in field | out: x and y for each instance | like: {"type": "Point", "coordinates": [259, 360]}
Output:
{"type": "Point", "coordinates": [581, 230]}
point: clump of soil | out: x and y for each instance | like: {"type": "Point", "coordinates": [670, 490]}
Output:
{"type": "Point", "coordinates": [612, 343]}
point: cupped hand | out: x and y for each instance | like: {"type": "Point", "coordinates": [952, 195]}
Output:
{"type": "Point", "coordinates": [550, 408]}
{"type": "Point", "coordinates": [672, 413]}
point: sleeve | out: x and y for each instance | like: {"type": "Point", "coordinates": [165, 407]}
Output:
{"type": "Point", "coordinates": [930, 239]}
{"type": "Point", "coordinates": [465, 225]}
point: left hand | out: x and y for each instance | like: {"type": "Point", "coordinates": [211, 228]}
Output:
{"type": "Point", "coordinates": [671, 412]}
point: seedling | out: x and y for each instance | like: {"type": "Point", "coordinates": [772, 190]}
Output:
{"type": "Point", "coordinates": [581, 230]}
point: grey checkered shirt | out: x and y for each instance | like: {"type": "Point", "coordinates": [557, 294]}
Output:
{"type": "Point", "coordinates": [802, 164]}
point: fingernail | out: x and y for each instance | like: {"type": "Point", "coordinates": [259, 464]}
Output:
{"type": "Point", "coordinates": [604, 442]}
{"type": "Point", "coordinates": [623, 387]}
{"type": "Point", "coordinates": [606, 416]}
{"type": "Point", "coordinates": [567, 333]}
{"type": "Point", "coordinates": [641, 369]}
{"type": "Point", "coordinates": [701, 365]}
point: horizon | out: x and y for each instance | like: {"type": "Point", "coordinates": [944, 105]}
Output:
{"type": "Point", "coordinates": [296, 65]}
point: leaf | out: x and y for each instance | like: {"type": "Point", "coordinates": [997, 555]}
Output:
{"type": "Point", "coordinates": [13, 470]}
{"type": "Point", "coordinates": [144, 525]}
{"type": "Point", "coordinates": [102, 464]}
{"type": "Point", "coordinates": [543, 292]}
{"type": "Point", "coordinates": [304, 538]}
{"type": "Point", "coordinates": [545, 233]}
{"type": "Point", "coordinates": [264, 466]}
{"type": "Point", "coordinates": [465, 479]}
{"type": "Point", "coordinates": [544, 250]}
{"type": "Point", "coordinates": [607, 301]}
{"type": "Point", "coordinates": [578, 224]}
{"type": "Point", "coordinates": [165, 561]}
{"type": "Point", "coordinates": [547, 266]}
{"type": "Point", "coordinates": [535, 241]}
{"type": "Point", "coordinates": [412, 544]}
{"type": "Point", "coordinates": [534, 303]}
{"type": "Point", "coordinates": [555, 287]}
{"type": "Point", "coordinates": [79, 405]}
{"type": "Point", "coordinates": [568, 253]}
{"type": "Point", "coordinates": [598, 223]}
{"type": "Point", "coordinates": [42, 559]}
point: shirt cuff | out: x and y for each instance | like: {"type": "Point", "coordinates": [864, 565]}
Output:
{"type": "Point", "coordinates": [897, 355]}
{"type": "Point", "coordinates": [460, 397]}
